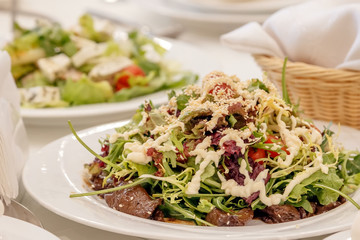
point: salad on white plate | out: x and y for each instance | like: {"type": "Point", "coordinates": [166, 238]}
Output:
{"type": "Point", "coordinates": [87, 64]}
{"type": "Point", "coordinates": [222, 154]}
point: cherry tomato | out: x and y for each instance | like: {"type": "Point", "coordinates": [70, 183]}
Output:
{"type": "Point", "coordinates": [125, 74]}
{"type": "Point", "coordinates": [256, 153]}
{"type": "Point", "coordinates": [273, 139]}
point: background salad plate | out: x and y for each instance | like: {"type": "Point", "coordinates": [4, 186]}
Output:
{"type": "Point", "coordinates": [190, 58]}
{"type": "Point", "coordinates": [193, 18]}
{"type": "Point", "coordinates": [9, 230]}
{"type": "Point", "coordinates": [55, 172]}
{"type": "Point", "coordinates": [237, 6]}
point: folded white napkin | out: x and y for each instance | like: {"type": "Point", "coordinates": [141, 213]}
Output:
{"type": "Point", "coordinates": [320, 32]}
{"type": "Point", "coordinates": [13, 139]}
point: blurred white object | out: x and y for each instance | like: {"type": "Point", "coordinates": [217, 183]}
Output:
{"type": "Point", "coordinates": [322, 32]}
{"type": "Point", "coordinates": [201, 21]}
{"type": "Point", "coordinates": [237, 6]}
{"type": "Point", "coordinates": [355, 229]}
{"type": "Point", "coordinates": [13, 139]}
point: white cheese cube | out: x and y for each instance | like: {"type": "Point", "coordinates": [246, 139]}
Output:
{"type": "Point", "coordinates": [81, 42]}
{"type": "Point", "coordinates": [88, 52]}
{"type": "Point", "coordinates": [110, 67]}
{"type": "Point", "coordinates": [52, 66]}
{"type": "Point", "coordinates": [36, 95]}
{"type": "Point", "coordinates": [151, 54]}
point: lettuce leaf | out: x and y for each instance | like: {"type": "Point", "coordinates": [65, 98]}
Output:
{"type": "Point", "coordinates": [86, 91]}
{"type": "Point", "coordinates": [86, 23]}
{"type": "Point", "coordinates": [34, 79]}
{"type": "Point", "coordinates": [257, 84]}
{"type": "Point", "coordinates": [20, 71]}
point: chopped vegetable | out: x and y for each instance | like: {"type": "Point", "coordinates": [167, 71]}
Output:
{"type": "Point", "coordinates": [49, 55]}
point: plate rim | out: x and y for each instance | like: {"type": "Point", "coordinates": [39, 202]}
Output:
{"type": "Point", "coordinates": [245, 6]}
{"type": "Point", "coordinates": [161, 7]}
{"type": "Point", "coordinates": [102, 129]}
{"type": "Point", "coordinates": [35, 229]}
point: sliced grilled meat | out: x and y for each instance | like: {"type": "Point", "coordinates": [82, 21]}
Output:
{"type": "Point", "coordinates": [221, 218]}
{"type": "Point", "coordinates": [280, 214]}
{"type": "Point", "coordinates": [134, 201]}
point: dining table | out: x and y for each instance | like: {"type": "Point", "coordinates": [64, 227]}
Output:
{"type": "Point", "coordinates": [67, 12]}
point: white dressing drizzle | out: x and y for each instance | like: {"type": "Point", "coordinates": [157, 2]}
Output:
{"type": "Point", "coordinates": [252, 186]}
{"type": "Point", "coordinates": [201, 152]}
{"type": "Point", "coordinates": [138, 153]}
{"type": "Point", "coordinates": [292, 142]}
{"type": "Point", "coordinates": [125, 135]}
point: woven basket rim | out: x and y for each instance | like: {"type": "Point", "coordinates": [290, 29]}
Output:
{"type": "Point", "coordinates": [324, 93]}
{"type": "Point", "coordinates": [306, 70]}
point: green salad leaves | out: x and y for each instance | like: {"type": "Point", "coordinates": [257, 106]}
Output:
{"type": "Point", "coordinates": [230, 150]}
{"type": "Point", "coordinates": [86, 64]}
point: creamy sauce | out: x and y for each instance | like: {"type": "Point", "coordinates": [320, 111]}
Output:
{"type": "Point", "coordinates": [162, 129]}
{"type": "Point", "coordinates": [144, 115]}
{"type": "Point", "coordinates": [138, 153]}
{"type": "Point", "coordinates": [125, 135]}
{"type": "Point", "coordinates": [237, 136]}
{"type": "Point", "coordinates": [205, 157]}
{"type": "Point", "coordinates": [201, 150]}
{"type": "Point", "coordinates": [138, 150]}
{"type": "Point", "coordinates": [193, 186]}
{"type": "Point", "coordinates": [292, 142]}
{"type": "Point", "coordinates": [258, 185]}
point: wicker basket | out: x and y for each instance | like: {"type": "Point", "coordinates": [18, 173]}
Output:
{"type": "Point", "coordinates": [323, 93]}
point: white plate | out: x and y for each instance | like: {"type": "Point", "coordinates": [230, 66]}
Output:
{"type": "Point", "coordinates": [15, 229]}
{"type": "Point", "coordinates": [56, 171]}
{"type": "Point", "coordinates": [190, 58]}
{"type": "Point", "coordinates": [238, 6]}
{"type": "Point", "coordinates": [210, 21]}
{"type": "Point", "coordinates": [344, 235]}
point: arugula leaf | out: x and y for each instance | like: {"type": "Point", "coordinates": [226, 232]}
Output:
{"type": "Point", "coordinates": [171, 94]}
{"type": "Point", "coordinates": [218, 202]}
{"type": "Point", "coordinates": [353, 165]}
{"type": "Point", "coordinates": [143, 169]}
{"type": "Point", "coordinates": [205, 206]}
{"type": "Point", "coordinates": [231, 120]}
{"type": "Point", "coordinates": [324, 196]}
{"type": "Point", "coordinates": [283, 84]}
{"type": "Point", "coordinates": [304, 203]}
{"type": "Point", "coordinates": [185, 213]}
{"type": "Point", "coordinates": [257, 84]}
{"type": "Point", "coordinates": [169, 157]}
{"type": "Point", "coordinates": [177, 142]}
{"type": "Point", "coordinates": [351, 184]}
{"type": "Point", "coordinates": [181, 101]}
{"type": "Point", "coordinates": [326, 133]}
{"type": "Point", "coordinates": [208, 172]}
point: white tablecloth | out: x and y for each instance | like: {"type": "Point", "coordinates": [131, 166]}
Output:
{"type": "Point", "coordinates": [67, 12]}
